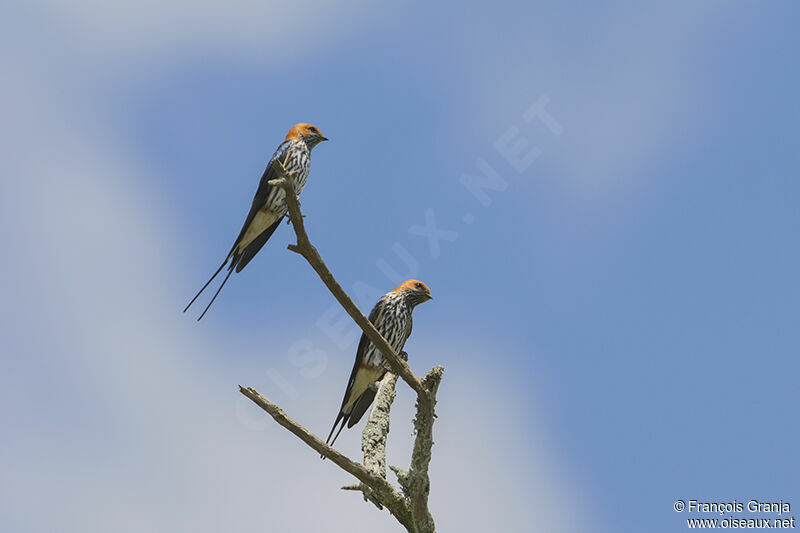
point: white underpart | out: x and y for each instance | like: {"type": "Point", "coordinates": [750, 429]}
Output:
{"type": "Point", "coordinates": [393, 325]}
{"type": "Point", "coordinates": [363, 378]}
{"type": "Point", "coordinates": [260, 222]}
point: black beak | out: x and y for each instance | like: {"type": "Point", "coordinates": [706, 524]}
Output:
{"type": "Point", "coordinates": [321, 138]}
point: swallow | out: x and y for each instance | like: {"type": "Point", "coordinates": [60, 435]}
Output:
{"type": "Point", "coordinates": [392, 318]}
{"type": "Point", "coordinates": [269, 204]}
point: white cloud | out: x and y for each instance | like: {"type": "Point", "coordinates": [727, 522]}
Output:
{"type": "Point", "coordinates": [623, 89]}
{"type": "Point", "coordinates": [135, 423]}
{"type": "Point", "coordinates": [121, 35]}
{"type": "Point", "coordinates": [120, 413]}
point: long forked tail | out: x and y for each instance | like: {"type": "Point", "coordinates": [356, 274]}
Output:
{"type": "Point", "coordinates": [206, 285]}
{"type": "Point", "coordinates": [341, 416]}
{"type": "Point", "coordinates": [230, 271]}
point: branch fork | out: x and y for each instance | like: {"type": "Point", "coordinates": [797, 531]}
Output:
{"type": "Point", "coordinates": [409, 505]}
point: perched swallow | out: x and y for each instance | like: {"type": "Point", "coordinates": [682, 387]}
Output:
{"type": "Point", "coordinates": [269, 203]}
{"type": "Point", "coordinates": [392, 318]}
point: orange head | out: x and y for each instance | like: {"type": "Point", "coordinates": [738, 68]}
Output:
{"type": "Point", "coordinates": [307, 133]}
{"type": "Point", "coordinates": [414, 291]}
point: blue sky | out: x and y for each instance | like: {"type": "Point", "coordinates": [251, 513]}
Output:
{"type": "Point", "coordinates": [618, 320]}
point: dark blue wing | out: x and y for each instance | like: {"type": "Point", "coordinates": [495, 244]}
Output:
{"type": "Point", "coordinates": [263, 191]}
{"type": "Point", "coordinates": [374, 317]}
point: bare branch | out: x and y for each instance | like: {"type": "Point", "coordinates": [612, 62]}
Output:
{"type": "Point", "coordinates": [411, 507]}
{"type": "Point", "coordinates": [417, 483]}
{"type": "Point", "coordinates": [383, 490]}
{"type": "Point", "coordinates": [307, 250]}
{"type": "Point", "coordinates": [373, 438]}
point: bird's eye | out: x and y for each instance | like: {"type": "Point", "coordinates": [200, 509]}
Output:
{"type": "Point", "coordinates": [419, 286]}
{"type": "Point", "coordinates": [313, 129]}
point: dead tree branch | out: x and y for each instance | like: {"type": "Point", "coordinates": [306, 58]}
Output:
{"type": "Point", "coordinates": [418, 485]}
{"type": "Point", "coordinates": [410, 507]}
{"type": "Point", "coordinates": [373, 438]}
{"type": "Point", "coordinates": [387, 495]}
{"type": "Point", "coordinates": [307, 250]}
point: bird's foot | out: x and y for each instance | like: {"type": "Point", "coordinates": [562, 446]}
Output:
{"type": "Point", "coordinates": [403, 356]}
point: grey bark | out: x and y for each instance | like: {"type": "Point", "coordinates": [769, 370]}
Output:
{"type": "Point", "coordinates": [373, 438]}
{"type": "Point", "coordinates": [409, 507]}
